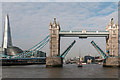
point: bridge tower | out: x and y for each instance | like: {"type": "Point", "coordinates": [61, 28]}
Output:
{"type": "Point", "coordinates": [54, 59]}
{"type": "Point", "coordinates": [112, 44]}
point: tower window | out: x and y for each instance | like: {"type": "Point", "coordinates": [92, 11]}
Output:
{"type": "Point", "coordinates": [54, 32]}
{"type": "Point", "coordinates": [53, 38]}
{"type": "Point", "coordinates": [53, 52]}
{"type": "Point", "coordinates": [113, 52]}
{"type": "Point", "coordinates": [53, 45]}
{"type": "Point", "coordinates": [113, 45]}
{"type": "Point", "coordinates": [114, 31]}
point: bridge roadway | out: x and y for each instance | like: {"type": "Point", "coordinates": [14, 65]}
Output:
{"type": "Point", "coordinates": [84, 34]}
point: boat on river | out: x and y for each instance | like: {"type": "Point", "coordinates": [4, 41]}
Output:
{"type": "Point", "coordinates": [79, 64]}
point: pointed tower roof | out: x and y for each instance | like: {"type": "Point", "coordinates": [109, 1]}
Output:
{"type": "Point", "coordinates": [117, 23]}
{"type": "Point", "coordinates": [58, 23]}
{"type": "Point", "coordinates": [7, 15]}
{"type": "Point", "coordinates": [50, 23]}
{"type": "Point", "coordinates": [54, 22]}
{"type": "Point", "coordinates": [112, 21]}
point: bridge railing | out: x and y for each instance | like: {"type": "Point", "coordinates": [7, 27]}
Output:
{"type": "Point", "coordinates": [32, 50]}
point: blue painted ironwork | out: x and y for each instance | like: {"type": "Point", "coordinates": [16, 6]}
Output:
{"type": "Point", "coordinates": [99, 50]}
{"type": "Point", "coordinates": [2, 55]}
{"type": "Point", "coordinates": [25, 55]}
{"type": "Point", "coordinates": [108, 53]}
{"type": "Point", "coordinates": [31, 54]}
{"type": "Point", "coordinates": [24, 58]}
{"type": "Point", "coordinates": [66, 51]}
{"type": "Point", "coordinates": [81, 31]}
{"type": "Point", "coordinates": [32, 47]}
{"type": "Point", "coordinates": [37, 46]}
{"type": "Point", "coordinates": [84, 34]}
{"type": "Point", "coordinates": [38, 43]}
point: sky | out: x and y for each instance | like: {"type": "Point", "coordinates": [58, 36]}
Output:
{"type": "Point", "coordinates": [29, 22]}
{"type": "Point", "coordinates": [60, 0]}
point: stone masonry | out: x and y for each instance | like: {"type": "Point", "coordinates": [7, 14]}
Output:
{"type": "Point", "coordinates": [112, 44]}
{"type": "Point", "coordinates": [53, 60]}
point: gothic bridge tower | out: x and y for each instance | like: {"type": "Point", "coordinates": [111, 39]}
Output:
{"type": "Point", "coordinates": [112, 44]}
{"type": "Point", "coordinates": [54, 59]}
{"type": "Point", "coordinates": [54, 43]}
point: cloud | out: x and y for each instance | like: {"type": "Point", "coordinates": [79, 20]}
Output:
{"type": "Point", "coordinates": [60, 0]}
{"type": "Point", "coordinates": [30, 21]}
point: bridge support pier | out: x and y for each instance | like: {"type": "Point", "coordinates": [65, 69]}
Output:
{"type": "Point", "coordinates": [54, 62]}
{"type": "Point", "coordinates": [111, 62]}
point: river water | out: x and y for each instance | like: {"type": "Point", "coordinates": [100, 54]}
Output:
{"type": "Point", "coordinates": [68, 71]}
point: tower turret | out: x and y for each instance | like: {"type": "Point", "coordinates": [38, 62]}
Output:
{"type": "Point", "coordinates": [50, 25]}
{"type": "Point", "coordinates": [54, 23]}
{"type": "Point", "coordinates": [58, 25]}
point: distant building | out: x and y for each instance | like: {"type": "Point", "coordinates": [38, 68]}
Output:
{"type": "Point", "coordinates": [40, 54]}
{"type": "Point", "coordinates": [7, 46]}
{"type": "Point", "coordinates": [1, 49]}
{"type": "Point", "coordinates": [98, 59]}
{"type": "Point", "coordinates": [36, 53]}
{"type": "Point", "coordinates": [13, 50]}
{"type": "Point", "coordinates": [89, 59]}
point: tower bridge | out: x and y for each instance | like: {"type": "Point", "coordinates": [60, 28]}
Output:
{"type": "Point", "coordinates": [111, 57]}
{"type": "Point", "coordinates": [112, 43]}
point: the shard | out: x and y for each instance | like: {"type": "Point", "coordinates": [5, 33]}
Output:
{"type": "Point", "coordinates": [8, 48]}
{"type": "Point", "coordinates": [7, 42]}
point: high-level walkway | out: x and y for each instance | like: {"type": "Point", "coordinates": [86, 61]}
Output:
{"type": "Point", "coordinates": [84, 33]}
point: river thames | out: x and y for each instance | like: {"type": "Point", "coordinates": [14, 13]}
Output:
{"type": "Point", "coordinates": [68, 71]}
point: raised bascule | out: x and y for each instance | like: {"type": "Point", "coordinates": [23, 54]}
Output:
{"type": "Point", "coordinates": [112, 43]}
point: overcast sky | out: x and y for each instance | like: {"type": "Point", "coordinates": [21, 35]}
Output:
{"type": "Point", "coordinates": [29, 22]}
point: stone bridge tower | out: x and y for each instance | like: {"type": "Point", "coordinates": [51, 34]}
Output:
{"type": "Point", "coordinates": [54, 43]}
{"type": "Point", "coordinates": [54, 59]}
{"type": "Point", "coordinates": [112, 44]}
